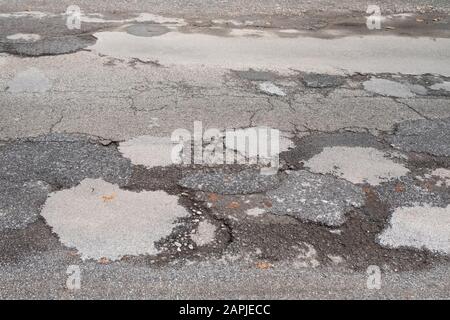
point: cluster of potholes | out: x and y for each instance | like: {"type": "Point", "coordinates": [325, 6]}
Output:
{"type": "Point", "coordinates": [58, 38]}
{"type": "Point", "coordinates": [379, 200]}
{"type": "Point", "coordinates": [396, 86]}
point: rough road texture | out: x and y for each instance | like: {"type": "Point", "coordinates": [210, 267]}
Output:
{"type": "Point", "coordinates": [86, 170]}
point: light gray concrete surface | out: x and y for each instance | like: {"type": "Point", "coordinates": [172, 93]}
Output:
{"type": "Point", "coordinates": [101, 221]}
{"type": "Point", "coordinates": [419, 227]}
{"type": "Point", "coordinates": [373, 166]}
{"type": "Point", "coordinates": [388, 88]}
{"type": "Point", "coordinates": [365, 54]}
{"type": "Point", "coordinates": [204, 234]}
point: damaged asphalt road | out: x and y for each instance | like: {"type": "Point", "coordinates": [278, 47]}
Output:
{"type": "Point", "coordinates": [296, 217]}
{"type": "Point", "coordinates": [87, 176]}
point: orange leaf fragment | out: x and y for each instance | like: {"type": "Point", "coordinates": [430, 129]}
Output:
{"type": "Point", "coordinates": [233, 205]}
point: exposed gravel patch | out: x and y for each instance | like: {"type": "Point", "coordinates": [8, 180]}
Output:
{"type": "Point", "coordinates": [62, 161]}
{"type": "Point", "coordinates": [49, 46]}
{"type": "Point", "coordinates": [20, 203]}
{"type": "Point", "coordinates": [428, 136]}
{"type": "Point", "coordinates": [315, 197]}
{"type": "Point", "coordinates": [243, 182]}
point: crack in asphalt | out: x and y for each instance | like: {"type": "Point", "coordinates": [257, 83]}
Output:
{"type": "Point", "coordinates": [411, 108]}
{"type": "Point", "coordinates": [53, 126]}
{"type": "Point", "coordinates": [168, 181]}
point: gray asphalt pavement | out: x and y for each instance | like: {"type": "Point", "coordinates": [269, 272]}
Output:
{"type": "Point", "coordinates": [122, 172]}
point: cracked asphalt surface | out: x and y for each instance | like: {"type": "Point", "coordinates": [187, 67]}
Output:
{"type": "Point", "coordinates": [86, 177]}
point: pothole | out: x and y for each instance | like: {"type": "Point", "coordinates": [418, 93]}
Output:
{"type": "Point", "coordinates": [49, 46]}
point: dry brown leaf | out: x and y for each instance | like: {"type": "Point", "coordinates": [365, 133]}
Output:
{"type": "Point", "coordinates": [104, 260]}
{"type": "Point", "coordinates": [399, 188]}
{"type": "Point", "coordinates": [110, 197]}
{"type": "Point", "coordinates": [213, 197]}
{"type": "Point", "coordinates": [367, 190]}
{"type": "Point", "coordinates": [428, 186]}
{"type": "Point", "coordinates": [73, 253]}
{"type": "Point", "coordinates": [233, 205]}
{"type": "Point", "coordinates": [267, 203]}
{"type": "Point", "coordinates": [263, 265]}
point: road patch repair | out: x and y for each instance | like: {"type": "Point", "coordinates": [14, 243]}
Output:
{"type": "Point", "coordinates": [372, 166]}
{"type": "Point", "coordinates": [388, 88]}
{"type": "Point", "coordinates": [271, 89]}
{"type": "Point", "coordinates": [419, 227]}
{"type": "Point", "coordinates": [96, 217]}
{"type": "Point", "coordinates": [148, 151]}
{"type": "Point", "coordinates": [352, 51]}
